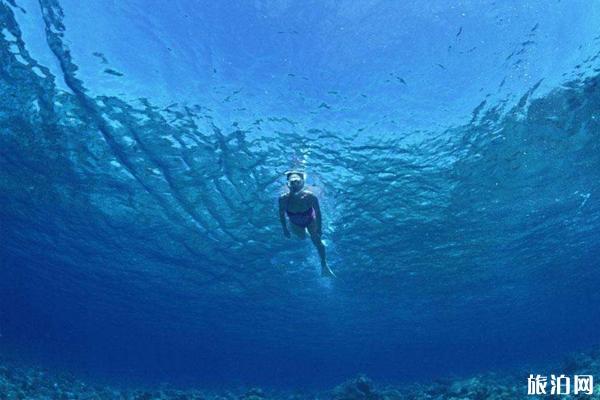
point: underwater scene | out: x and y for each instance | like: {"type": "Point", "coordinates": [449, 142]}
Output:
{"type": "Point", "coordinates": [299, 199]}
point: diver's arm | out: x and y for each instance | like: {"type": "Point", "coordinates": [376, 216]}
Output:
{"type": "Point", "coordinates": [286, 232]}
{"type": "Point", "coordinates": [317, 214]}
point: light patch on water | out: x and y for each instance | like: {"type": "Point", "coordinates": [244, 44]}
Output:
{"type": "Point", "coordinates": [128, 140]}
{"type": "Point", "coordinates": [9, 36]}
{"type": "Point", "coordinates": [188, 142]}
{"type": "Point", "coordinates": [174, 143]}
{"type": "Point", "coordinates": [113, 123]}
{"type": "Point", "coordinates": [20, 59]}
{"type": "Point", "coordinates": [35, 105]}
{"type": "Point", "coordinates": [143, 118]}
{"type": "Point", "coordinates": [36, 70]}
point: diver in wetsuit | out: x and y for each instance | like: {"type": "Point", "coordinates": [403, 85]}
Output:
{"type": "Point", "coordinates": [302, 209]}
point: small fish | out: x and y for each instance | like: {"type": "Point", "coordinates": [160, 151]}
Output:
{"type": "Point", "coordinates": [459, 32]}
{"type": "Point", "coordinates": [101, 56]}
{"type": "Point", "coordinates": [112, 72]}
{"type": "Point", "coordinates": [441, 66]}
{"type": "Point", "coordinates": [534, 27]}
{"type": "Point", "coordinates": [228, 98]}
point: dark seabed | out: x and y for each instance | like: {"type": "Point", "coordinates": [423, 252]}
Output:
{"type": "Point", "coordinates": [454, 147]}
{"type": "Point", "coordinates": [29, 383]}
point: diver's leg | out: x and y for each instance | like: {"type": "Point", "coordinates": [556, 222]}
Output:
{"type": "Point", "coordinates": [299, 231]}
{"type": "Point", "coordinates": [316, 239]}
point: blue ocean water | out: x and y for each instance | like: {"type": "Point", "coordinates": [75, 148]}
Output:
{"type": "Point", "coordinates": [454, 146]}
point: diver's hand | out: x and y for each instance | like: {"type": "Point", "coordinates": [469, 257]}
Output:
{"type": "Point", "coordinates": [287, 233]}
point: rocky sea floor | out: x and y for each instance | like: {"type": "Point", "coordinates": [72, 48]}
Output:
{"type": "Point", "coordinates": [36, 383]}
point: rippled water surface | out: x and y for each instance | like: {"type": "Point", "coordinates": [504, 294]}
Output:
{"type": "Point", "coordinates": [454, 147]}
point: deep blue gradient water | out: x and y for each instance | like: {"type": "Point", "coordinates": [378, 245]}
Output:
{"type": "Point", "coordinates": [454, 145]}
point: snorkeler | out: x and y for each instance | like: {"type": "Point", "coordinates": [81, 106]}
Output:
{"type": "Point", "coordinates": [302, 209]}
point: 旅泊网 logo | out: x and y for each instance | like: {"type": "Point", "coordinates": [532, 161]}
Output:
{"type": "Point", "coordinates": [560, 384]}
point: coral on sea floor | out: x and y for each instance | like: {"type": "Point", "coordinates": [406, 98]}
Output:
{"type": "Point", "coordinates": [360, 388]}
{"type": "Point", "coordinates": [18, 383]}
